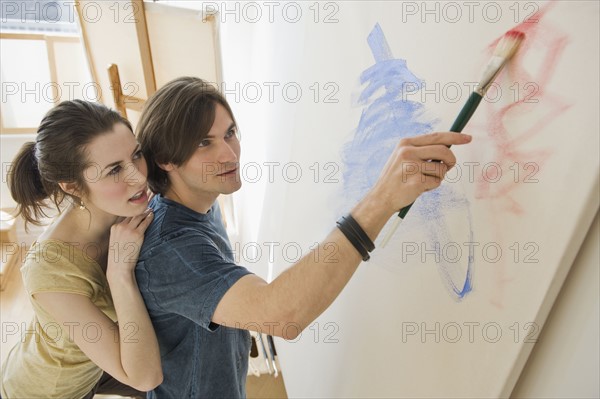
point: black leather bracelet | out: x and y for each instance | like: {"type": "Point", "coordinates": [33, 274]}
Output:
{"type": "Point", "coordinates": [351, 236]}
{"type": "Point", "coordinates": [362, 236]}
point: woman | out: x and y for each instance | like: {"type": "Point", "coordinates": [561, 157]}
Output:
{"type": "Point", "coordinates": [79, 274]}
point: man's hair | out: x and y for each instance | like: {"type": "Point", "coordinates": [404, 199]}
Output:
{"type": "Point", "coordinates": [174, 122]}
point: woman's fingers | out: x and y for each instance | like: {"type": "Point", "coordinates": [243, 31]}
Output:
{"type": "Point", "coordinates": [145, 222]}
{"type": "Point", "coordinates": [135, 221]}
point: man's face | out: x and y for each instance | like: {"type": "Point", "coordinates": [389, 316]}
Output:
{"type": "Point", "coordinates": [214, 166]}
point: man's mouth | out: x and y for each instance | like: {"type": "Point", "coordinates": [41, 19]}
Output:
{"type": "Point", "coordinates": [228, 172]}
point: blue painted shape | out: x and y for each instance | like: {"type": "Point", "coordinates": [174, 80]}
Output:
{"type": "Point", "coordinates": [387, 117]}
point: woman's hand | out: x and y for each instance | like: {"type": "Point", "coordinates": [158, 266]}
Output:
{"type": "Point", "coordinates": [126, 238]}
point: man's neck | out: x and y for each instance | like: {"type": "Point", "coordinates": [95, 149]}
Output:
{"type": "Point", "coordinates": [200, 203]}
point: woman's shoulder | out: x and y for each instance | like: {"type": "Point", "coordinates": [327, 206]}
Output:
{"type": "Point", "coordinates": [52, 254]}
{"type": "Point", "coordinates": [55, 265]}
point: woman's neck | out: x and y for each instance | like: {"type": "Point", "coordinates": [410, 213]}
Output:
{"type": "Point", "coordinates": [83, 228]}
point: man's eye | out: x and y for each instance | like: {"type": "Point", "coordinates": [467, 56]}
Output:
{"type": "Point", "coordinates": [114, 170]}
{"type": "Point", "coordinates": [231, 133]}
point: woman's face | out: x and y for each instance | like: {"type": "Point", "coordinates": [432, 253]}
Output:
{"type": "Point", "coordinates": [116, 175]}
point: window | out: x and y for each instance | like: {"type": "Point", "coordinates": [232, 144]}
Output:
{"type": "Point", "coordinates": [38, 16]}
{"type": "Point", "coordinates": [42, 61]}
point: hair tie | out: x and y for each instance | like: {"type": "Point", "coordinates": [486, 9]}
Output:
{"type": "Point", "coordinates": [33, 153]}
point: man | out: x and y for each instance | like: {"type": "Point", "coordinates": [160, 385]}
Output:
{"type": "Point", "coordinates": [199, 300]}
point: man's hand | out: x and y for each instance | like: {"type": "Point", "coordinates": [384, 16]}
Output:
{"type": "Point", "coordinates": [412, 168]}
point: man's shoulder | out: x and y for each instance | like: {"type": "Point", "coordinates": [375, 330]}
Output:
{"type": "Point", "coordinates": [162, 237]}
{"type": "Point", "coordinates": [167, 221]}
{"type": "Point", "coordinates": [167, 237]}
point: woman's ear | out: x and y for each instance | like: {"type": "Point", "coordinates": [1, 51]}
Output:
{"type": "Point", "coordinates": [70, 188]}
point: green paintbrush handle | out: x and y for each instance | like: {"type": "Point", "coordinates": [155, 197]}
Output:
{"type": "Point", "coordinates": [466, 113]}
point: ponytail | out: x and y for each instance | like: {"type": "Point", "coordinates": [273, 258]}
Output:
{"type": "Point", "coordinates": [26, 185]}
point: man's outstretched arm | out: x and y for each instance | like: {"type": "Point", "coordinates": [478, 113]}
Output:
{"type": "Point", "coordinates": [302, 292]}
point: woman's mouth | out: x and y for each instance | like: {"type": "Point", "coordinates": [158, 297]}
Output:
{"type": "Point", "coordinates": [139, 198]}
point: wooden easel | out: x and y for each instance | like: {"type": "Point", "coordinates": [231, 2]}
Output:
{"type": "Point", "coordinates": [125, 36]}
{"type": "Point", "coordinates": [122, 101]}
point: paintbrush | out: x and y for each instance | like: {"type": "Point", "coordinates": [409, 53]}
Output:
{"type": "Point", "coordinates": [504, 51]}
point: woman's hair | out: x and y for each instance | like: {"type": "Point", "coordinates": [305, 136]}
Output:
{"type": "Point", "coordinates": [57, 155]}
{"type": "Point", "coordinates": [174, 121]}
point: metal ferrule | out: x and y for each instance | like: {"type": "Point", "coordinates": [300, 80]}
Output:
{"type": "Point", "coordinates": [492, 70]}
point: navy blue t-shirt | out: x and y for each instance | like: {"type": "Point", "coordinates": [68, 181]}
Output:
{"type": "Point", "coordinates": [185, 267]}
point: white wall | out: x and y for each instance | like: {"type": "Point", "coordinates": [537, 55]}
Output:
{"type": "Point", "coordinates": [565, 361]}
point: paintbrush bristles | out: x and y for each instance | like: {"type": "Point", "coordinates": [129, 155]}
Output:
{"type": "Point", "coordinates": [508, 45]}
{"type": "Point", "coordinates": [503, 52]}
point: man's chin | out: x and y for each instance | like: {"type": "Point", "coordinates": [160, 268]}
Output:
{"type": "Point", "coordinates": [232, 189]}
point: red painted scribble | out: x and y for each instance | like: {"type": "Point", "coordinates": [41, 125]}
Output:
{"type": "Point", "coordinates": [512, 145]}
{"type": "Point", "coordinates": [508, 144]}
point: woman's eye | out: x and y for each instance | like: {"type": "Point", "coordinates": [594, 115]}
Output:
{"type": "Point", "coordinates": [204, 143]}
{"type": "Point", "coordinates": [114, 170]}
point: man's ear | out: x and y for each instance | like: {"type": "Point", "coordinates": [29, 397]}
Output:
{"type": "Point", "coordinates": [167, 167]}
{"type": "Point", "coordinates": [70, 188]}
